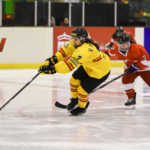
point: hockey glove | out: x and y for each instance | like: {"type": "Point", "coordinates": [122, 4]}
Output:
{"type": "Point", "coordinates": [133, 68]}
{"type": "Point", "coordinates": [47, 69]}
{"type": "Point", "coordinates": [52, 60]}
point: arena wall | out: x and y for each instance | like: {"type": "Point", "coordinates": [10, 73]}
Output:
{"type": "Point", "coordinates": [25, 47]}
{"type": "Point", "coordinates": [28, 47]}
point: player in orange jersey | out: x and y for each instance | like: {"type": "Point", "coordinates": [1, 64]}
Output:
{"type": "Point", "coordinates": [115, 36]}
{"type": "Point", "coordinates": [137, 62]}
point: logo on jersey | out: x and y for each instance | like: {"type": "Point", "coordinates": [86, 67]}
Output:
{"type": "Point", "coordinates": [63, 39]}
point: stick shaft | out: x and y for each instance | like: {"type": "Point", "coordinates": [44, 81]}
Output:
{"type": "Point", "coordinates": [19, 91]}
{"type": "Point", "coordinates": [100, 87]}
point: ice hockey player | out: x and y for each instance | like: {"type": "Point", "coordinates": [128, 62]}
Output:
{"type": "Point", "coordinates": [115, 36]}
{"type": "Point", "coordinates": [93, 68]}
{"type": "Point", "coordinates": [137, 62]}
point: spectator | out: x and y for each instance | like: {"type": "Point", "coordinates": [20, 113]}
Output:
{"type": "Point", "coordinates": [52, 21]}
{"type": "Point", "coordinates": [65, 22]}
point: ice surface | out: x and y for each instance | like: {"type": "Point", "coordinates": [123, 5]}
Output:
{"type": "Point", "coordinates": [32, 122]}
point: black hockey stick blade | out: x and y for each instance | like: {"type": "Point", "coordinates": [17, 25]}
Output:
{"type": "Point", "coordinates": [59, 105]}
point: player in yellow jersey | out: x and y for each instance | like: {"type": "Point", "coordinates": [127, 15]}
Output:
{"type": "Point", "coordinates": [93, 68]}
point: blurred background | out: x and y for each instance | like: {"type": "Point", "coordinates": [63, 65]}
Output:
{"type": "Point", "coordinates": [75, 13]}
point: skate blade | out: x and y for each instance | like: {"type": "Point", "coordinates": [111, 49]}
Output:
{"type": "Point", "coordinates": [131, 107]}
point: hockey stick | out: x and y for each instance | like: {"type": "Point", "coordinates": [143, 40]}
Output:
{"type": "Point", "coordinates": [59, 105]}
{"type": "Point", "coordinates": [114, 79]}
{"type": "Point", "coordinates": [20, 90]}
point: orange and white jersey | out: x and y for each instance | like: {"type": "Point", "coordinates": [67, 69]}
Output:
{"type": "Point", "coordinates": [137, 55]}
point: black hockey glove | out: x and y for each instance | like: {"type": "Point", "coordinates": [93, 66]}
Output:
{"type": "Point", "coordinates": [133, 68]}
{"type": "Point", "coordinates": [48, 66]}
{"type": "Point", "coordinates": [47, 69]}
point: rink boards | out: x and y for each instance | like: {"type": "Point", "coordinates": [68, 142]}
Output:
{"type": "Point", "coordinates": [28, 47]}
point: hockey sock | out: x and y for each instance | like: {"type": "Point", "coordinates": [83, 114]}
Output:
{"type": "Point", "coordinates": [74, 83]}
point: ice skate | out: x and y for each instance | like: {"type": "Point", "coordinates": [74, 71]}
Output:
{"type": "Point", "coordinates": [72, 104]}
{"type": "Point", "coordinates": [78, 111]}
{"type": "Point", "coordinates": [131, 103]}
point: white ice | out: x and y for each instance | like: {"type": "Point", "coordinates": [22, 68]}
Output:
{"type": "Point", "coordinates": [32, 122]}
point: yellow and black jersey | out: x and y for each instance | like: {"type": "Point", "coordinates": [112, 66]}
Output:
{"type": "Point", "coordinates": [95, 63]}
{"type": "Point", "coordinates": [65, 51]}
